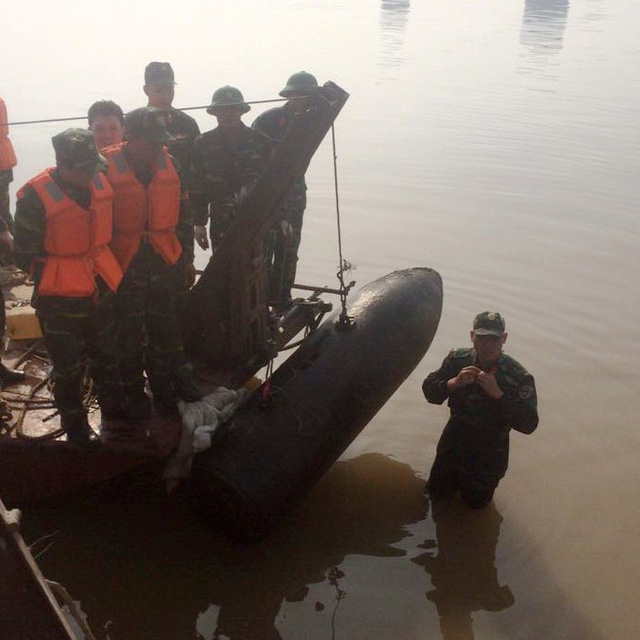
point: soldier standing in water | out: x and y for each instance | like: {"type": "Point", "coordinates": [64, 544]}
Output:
{"type": "Point", "coordinates": [489, 393]}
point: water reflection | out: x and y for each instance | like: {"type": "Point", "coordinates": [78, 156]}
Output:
{"type": "Point", "coordinates": [394, 17]}
{"type": "Point", "coordinates": [151, 571]}
{"type": "Point", "coordinates": [463, 573]}
{"type": "Point", "coordinates": [543, 26]}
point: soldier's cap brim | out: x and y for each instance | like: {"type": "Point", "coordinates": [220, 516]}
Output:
{"type": "Point", "coordinates": [160, 137]}
{"type": "Point", "coordinates": [296, 93]}
{"type": "Point", "coordinates": [167, 137]}
{"type": "Point", "coordinates": [243, 107]}
{"type": "Point", "coordinates": [488, 332]}
{"type": "Point", "coordinates": [100, 163]}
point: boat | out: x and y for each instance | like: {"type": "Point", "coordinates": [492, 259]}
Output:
{"type": "Point", "coordinates": [268, 455]}
{"type": "Point", "coordinates": [29, 607]}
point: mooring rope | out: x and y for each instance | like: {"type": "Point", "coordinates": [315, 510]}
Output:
{"type": "Point", "coordinates": [344, 320]}
{"type": "Point", "coordinates": [84, 117]}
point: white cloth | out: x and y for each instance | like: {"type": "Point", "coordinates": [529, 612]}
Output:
{"type": "Point", "coordinates": [199, 421]}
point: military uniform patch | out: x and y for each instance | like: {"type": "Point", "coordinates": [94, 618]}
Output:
{"type": "Point", "coordinates": [525, 392]}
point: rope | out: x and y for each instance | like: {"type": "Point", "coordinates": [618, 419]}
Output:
{"type": "Point", "coordinates": [21, 416]}
{"type": "Point", "coordinates": [5, 417]}
{"type": "Point", "coordinates": [45, 120]}
{"type": "Point", "coordinates": [344, 321]}
{"type": "Point", "coordinates": [267, 393]}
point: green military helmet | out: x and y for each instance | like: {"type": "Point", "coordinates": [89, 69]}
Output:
{"type": "Point", "coordinates": [227, 97]}
{"type": "Point", "coordinates": [300, 84]}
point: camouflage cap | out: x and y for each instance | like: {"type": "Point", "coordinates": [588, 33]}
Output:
{"type": "Point", "coordinates": [159, 73]}
{"type": "Point", "coordinates": [147, 123]}
{"type": "Point", "coordinates": [489, 323]}
{"type": "Point", "coordinates": [77, 148]}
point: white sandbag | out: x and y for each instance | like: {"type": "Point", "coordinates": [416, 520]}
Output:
{"type": "Point", "coordinates": [199, 421]}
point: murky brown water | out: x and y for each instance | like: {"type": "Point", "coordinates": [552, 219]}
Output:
{"type": "Point", "coordinates": [497, 142]}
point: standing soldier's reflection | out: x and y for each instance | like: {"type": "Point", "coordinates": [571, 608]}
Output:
{"type": "Point", "coordinates": [463, 572]}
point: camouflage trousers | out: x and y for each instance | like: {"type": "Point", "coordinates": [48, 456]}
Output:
{"type": "Point", "coordinates": [3, 321]}
{"type": "Point", "coordinates": [78, 331]}
{"type": "Point", "coordinates": [473, 469]}
{"type": "Point", "coordinates": [283, 254]}
{"type": "Point", "coordinates": [149, 335]}
{"type": "Point", "coordinates": [6, 177]}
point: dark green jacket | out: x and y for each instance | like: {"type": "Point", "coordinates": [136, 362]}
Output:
{"type": "Point", "coordinates": [219, 173]}
{"type": "Point", "coordinates": [479, 425]}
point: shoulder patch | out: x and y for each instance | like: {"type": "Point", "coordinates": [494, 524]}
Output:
{"type": "Point", "coordinates": [525, 391]}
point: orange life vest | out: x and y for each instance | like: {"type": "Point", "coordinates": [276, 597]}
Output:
{"type": "Point", "coordinates": [7, 154]}
{"type": "Point", "coordinates": [76, 240]}
{"type": "Point", "coordinates": [138, 212]}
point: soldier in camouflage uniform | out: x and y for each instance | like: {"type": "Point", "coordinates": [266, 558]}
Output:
{"type": "Point", "coordinates": [7, 376]}
{"type": "Point", "coordinates": [157, 261]}
{"type": "Point", "coordinates": [275, 123]}
{"type": "Point", "coordinates": [159, 87]}
{"type": "Point", "coordinates": [489, 394]}
{"type": "Point", "coordinates": [225, 161]}
{"type": "Point", "coordinates": [7, 162]}
{"type": "Point", "coordinates": [76, 325]}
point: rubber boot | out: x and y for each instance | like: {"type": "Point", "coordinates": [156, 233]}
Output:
{"type": "Point", "coordinates": [113, 406]}
{"type": "Point", "coordinates": [138, 405]}
{"type": "Point", "coordinates": [10, 376]}
{"type": "Point", "coordinates": [185, 387]}
{"type": "Point", "coordinates": [165, 396]}
{"type": "Point", "coordinates": [77, 429]}
{"type": "Point", "coordinates": [187, 391]}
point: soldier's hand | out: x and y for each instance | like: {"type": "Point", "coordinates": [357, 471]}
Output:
{"type": "Point", "coordinates": [200, 234]}
{"type": "Point", "coordinates": [189, 275]}
{"type": "Point", "coordinates": [488, 383]}
{"type": "Point", "coordinates": [466, 376]}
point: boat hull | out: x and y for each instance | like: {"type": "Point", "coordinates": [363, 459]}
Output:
{"type": "Point", "coordinates": [33, 472]}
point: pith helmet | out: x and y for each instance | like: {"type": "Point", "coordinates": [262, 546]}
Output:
{"type": "Point", "coordinates": [227, 97]}
{"type": "Point", "coordinates": [300, 84]}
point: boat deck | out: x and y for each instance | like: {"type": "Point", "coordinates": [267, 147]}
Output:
{"type": "Point", "coordinates": [37, 460]}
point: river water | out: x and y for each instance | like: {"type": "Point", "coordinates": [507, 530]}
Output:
{"type": "Point", "coordinates": [497, 142]}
